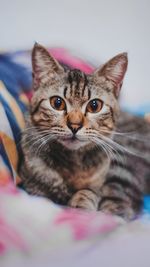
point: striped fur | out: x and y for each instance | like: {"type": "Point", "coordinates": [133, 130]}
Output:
{"type": "Point", "coordinates": [93, 161]}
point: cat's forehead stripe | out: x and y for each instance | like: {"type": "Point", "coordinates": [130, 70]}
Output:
{"type": "Point", "coordinates": [65, 91]}
{"type": "Point", "coordinates": [77, 85]}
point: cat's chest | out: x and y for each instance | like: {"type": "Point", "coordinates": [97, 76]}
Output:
{"type": "Point", "coordinates": [79, 170]}
{"type": "Point", "coordinates": [81, 178]}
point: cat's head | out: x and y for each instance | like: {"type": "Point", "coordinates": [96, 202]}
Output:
{"type": "Point", "coordinates": [71, 107]}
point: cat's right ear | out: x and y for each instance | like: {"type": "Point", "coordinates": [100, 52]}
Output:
{"type": "Point", "coordinates": [44, 67]}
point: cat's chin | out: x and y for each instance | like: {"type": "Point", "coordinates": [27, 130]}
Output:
{"type": "Point", "coordinates": [74, 144]}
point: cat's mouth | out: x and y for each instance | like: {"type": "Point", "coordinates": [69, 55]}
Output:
{"type": "Point", "coordinates": [73, 142]}
{"type": "Point", "coordinates": [74, 138]}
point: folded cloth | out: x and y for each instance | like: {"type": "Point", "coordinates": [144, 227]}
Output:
{"type": "Point", "coordinates": [12, 121]}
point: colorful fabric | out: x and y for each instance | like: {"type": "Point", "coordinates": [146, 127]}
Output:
{"type": "Point", "coordinates": [34, 231]}
{"type": "Point", "coordinates": [16, 224]}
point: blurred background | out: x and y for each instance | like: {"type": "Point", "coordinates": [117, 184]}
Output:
{"type": "Point", "coordinates": [95, 30]}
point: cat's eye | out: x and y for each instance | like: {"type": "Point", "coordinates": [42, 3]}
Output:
{"type": "Point", "coordinates": [94, 106]}
{"type": "Point", "coordinates": [57, 103]}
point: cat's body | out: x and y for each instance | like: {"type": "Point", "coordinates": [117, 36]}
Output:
{"type": "Point", "coordinates": [77, 150]}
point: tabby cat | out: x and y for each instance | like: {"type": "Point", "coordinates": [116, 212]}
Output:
{"type": "Point", "coordinates": [78, 148]}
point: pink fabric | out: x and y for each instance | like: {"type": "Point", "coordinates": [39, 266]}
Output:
{"type": "Point", "coordinates": [64, 56]}
{"type": "Point", "coordinates": [22, 214]}
{"type": "Point", "coordinates": [85, 224]}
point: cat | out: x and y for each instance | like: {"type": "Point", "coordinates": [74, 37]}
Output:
{"type": "Point", "coordinates": [79, 148]}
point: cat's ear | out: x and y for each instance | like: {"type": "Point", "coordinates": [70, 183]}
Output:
{"type": "Point", "coordinates": [44, 66]}
{"type": "Point", "coordinates": [114, 71]}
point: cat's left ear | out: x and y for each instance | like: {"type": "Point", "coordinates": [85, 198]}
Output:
{"type": "Point", "coordinates": [114, 71]}
{"type": "Point", "coordinates": [44, 66]}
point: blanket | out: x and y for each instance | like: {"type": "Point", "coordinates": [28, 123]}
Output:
{"type": "Point", "coordinates": [33, 230]}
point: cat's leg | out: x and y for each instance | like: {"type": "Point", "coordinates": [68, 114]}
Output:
{"type": "Point", "coordinates": [84, 199]}
{"type": "Point", "coordinates": [120, 197]}
{"type": "Point", "coordinates": [38, 179]}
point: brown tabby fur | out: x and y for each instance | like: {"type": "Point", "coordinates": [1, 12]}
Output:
{"type": "Point", "coordinates": [105, 165]}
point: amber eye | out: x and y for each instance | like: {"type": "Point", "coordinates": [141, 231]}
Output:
{"type": "Point", "coordinates": [57, 103]}
{"type": "Point", "coordinates": [94, 106]}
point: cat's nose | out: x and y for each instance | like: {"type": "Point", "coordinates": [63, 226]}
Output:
{"type": "Point", "coordinates": [75, 121]}
{"type": "Point", "coordinates": [74, 127]}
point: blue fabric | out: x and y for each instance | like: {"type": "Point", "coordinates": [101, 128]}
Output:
{"type": "Point", "coordinates": [147, 204]}
{"type": "Point", "coordinates": [16, 77]}
{"type": "Point", "coordinates": [5, 158]}
{"type": "Point", "coordinates": [17, 80]}
{"type": "Point", "coordinates": [139, 111]}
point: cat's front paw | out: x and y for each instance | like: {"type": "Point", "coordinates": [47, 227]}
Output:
{"type": "Point", "coordinates": [84, 199]}
{"type": "Point", "coordinates": [115, 208]}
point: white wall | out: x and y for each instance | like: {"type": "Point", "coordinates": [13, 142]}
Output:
{"type": "Point", "coordinates": [95, 29]}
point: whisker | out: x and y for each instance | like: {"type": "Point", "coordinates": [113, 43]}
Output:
{"type": "Point", "coordinates": [37, 139]}
{"type": "Point", "coordinates": [44, 142]}
{"type": "Point", "coordinates": [127, 135]}
{"type": "Point", "coordinates": [119, 147]}
{"type": "Point", "coordinates": [101, 146]}
{"type": "Point", "coordinates": [114, 154]}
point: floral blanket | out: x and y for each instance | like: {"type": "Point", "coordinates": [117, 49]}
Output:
{"type": "Point", "coordinates": [33, 230]}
